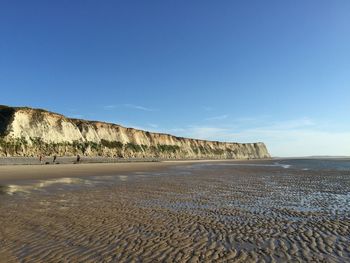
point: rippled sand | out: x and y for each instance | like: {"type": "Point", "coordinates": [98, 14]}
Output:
{"type": "Point", "coordinates": [195, 213]}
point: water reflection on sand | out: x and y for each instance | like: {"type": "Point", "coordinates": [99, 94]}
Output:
{"type": "Point", "coordinates": [42, 184]}
{"type": "Point", "coordinates": [252, 212]}
{"type": "Point", "coordinates": [60, 184]}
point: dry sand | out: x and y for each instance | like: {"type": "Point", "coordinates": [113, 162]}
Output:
{"type": "Point", "coordinates": [159, 212]}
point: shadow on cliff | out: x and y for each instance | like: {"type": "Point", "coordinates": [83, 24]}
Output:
{"type": "Point", "coordinates": [6, 117]}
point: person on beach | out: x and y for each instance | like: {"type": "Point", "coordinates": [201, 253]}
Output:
{"type": "Point", "coordinates": [78, 158]}
{"type": "Point", "coordinates": [40, 158]}
{"type": "Point", "coordinates": [54, 158]}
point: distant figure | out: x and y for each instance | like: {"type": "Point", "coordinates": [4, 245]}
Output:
{"type": "Point", "coordinates": [54, 158]}
{"type": "Point", "coordinates": [41, 158]}
{"type": "Point", "coordinates": [78, 158]}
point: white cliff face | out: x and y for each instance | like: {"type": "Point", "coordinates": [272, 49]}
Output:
{"type": "Point", "coordinates": [31, 131]}
{"type": "Point", "coordinates": [49, 127]}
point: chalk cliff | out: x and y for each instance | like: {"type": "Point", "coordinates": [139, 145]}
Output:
{"type": "Point", "coordinates": [29, 132]}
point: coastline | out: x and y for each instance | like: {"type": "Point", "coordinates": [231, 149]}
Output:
{"type": "Point", "coordinates": [48, 160]}
{"type": "Point", "coordinates": [20, 172]}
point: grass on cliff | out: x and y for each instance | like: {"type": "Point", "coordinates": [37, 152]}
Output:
{"type": "Point", "coordinates": [112, 144]}
{"type": "Point", "coordinates": [133, 147]}
{"type": "Point", "coordinates": [168, 148]}
{"type": "Point", "coordinates": [12, 146]}
{"type": "Point", "coordinates": [15, 145]}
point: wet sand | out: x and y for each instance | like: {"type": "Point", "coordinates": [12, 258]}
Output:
{"type": "Point", "coordinates": [11, 173]}
{"type": "Point", "coordinates": [26, 172]}
{"type": "Point", "coordinates": [214, 212]}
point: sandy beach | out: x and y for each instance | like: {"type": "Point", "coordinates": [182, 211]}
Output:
{"type": "Point", "coordinates": [255, 211]}
{"type": "Point", "coordinates": [25, 172]}
{"type": "Point", "coordinates": [18, 172]}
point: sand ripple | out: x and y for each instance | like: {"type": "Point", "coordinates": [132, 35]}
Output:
{"type": "Point", "coordinates": [216, 214]}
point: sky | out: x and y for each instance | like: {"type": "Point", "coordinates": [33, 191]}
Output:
{"type": "Point", "coordinates": [241, 71]}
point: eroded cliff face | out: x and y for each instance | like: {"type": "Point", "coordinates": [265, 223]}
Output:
{"type": "Point", "coordinates": [29, 132]}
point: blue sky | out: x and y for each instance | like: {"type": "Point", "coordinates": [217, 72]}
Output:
{"type": "Point", "coordinates": [272, 71]}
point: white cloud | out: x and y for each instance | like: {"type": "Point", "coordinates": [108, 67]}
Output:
{"type": "Point", "coordinates": [138, 107]}
{"type": "Point", "coordinates": [109, 107]}
{"type": "Point", "coordinates": [292, 124]}
{"type": "Point", "coordinates": [288, 138]}
{"type": "Point", "coordinates": [130, 106]}
{"type": "Point", "coordinates": [216, 118]}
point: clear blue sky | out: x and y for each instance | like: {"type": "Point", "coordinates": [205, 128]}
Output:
{"type": "Point", "coordinates": [272, 71]}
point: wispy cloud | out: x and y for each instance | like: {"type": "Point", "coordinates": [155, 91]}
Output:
{"type": "Point", "coordinates": [292, 124]}
{"type": "Point", "coordinates": [217, 118]}
{"type": "Point", "coordinates": [109, 107]}
{"type": "Point", "coordinates": [138, 107]}
{"type": "Point", "coordinates": [294, 137]}
{"type": "Point", "coordinates": [130, 106]}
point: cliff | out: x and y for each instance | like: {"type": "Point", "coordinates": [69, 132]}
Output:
{"type": "Point", "coordinates": [29, 132]}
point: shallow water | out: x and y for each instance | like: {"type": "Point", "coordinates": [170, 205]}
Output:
{"type": "Point", "coordinates": [339, 164]}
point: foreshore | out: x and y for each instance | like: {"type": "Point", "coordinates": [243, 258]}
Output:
{"type": "Point", "coordinates": [11, 173]}
{"type": "Point", "coordinates": [27, 172]}
{"type": "Point", "coordinates": [69, 160]}
{"type": "Point", "coordinates": [235, 211]}
{"type": "Point", "coordinates": [84, 159]}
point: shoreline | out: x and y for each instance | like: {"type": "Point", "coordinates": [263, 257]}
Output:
{"type": "Point", "coordinates": [10, 173]}
{"type": "Point", "coordinates": [18, 160]}
{"type": "Point", "coordinates": [17, 173]}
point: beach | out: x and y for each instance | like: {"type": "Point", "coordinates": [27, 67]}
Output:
{"type": "Point", "coordinates": [241, 211]}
